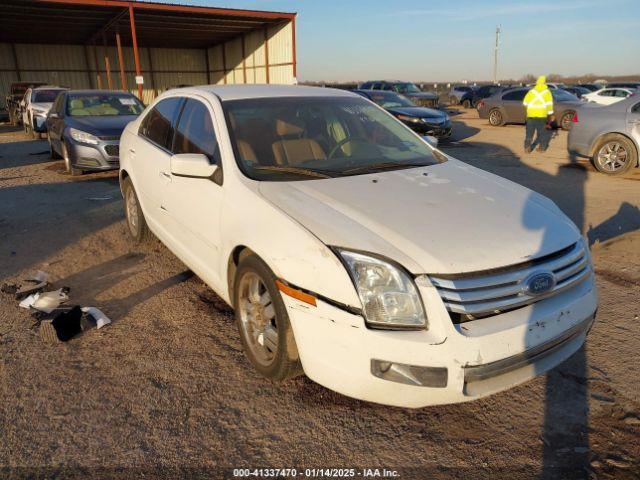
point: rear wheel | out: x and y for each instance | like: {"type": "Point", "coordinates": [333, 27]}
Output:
{"type": "Point", "coordinates": [68, 163]}
{"type": "Point", "coordinates": [495, 118]}
{"type": "Point", "coordinates": [566, 122]}
{"type": "Point", "coordinates": [136, 223]}
{"type": "Point", "coordinates": [263, 322]}
{"type": "Point", "coordinates": [615, 155]}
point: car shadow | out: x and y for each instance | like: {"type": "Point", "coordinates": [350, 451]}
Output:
{"type": "Point", "coordinates": [23, 152]}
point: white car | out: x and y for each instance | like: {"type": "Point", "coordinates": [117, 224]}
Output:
{"type": "Point", "coordinates": [608, 96]}
{"type": "Point", "coordinates": [35, 107]}
{"type": "Point", "coordinates": [352, 250]}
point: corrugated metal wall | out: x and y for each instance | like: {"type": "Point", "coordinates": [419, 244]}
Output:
{"type": "Point", "coordinates": [162, 68]}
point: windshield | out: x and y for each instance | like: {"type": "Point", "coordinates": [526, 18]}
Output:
{"type": "Point", "coordinates": [563, 96]}
{"type": "Point", "coordinates": [390, 100]}
{"type": "Point", "coordinates": [45, 96]}
{"type": "Point", "coordinates": [406, 88]}
{"type": "Point", "coordinates": [302, 138]}
{"type": "Point", "coordinates": [103, 104]}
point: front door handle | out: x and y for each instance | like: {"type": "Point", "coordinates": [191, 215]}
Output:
{"type": "Point", "coordinates": [166, 175]}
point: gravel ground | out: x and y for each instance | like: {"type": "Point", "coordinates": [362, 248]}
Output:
{"type": "Point", "coordinates": [165, 391]}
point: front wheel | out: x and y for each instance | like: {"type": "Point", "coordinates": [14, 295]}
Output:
{"type": "Point", "coordinates": [466, 103]}
{"type": "Point", "coordinates": [263, 321]}
{"type": "Point", "coordinates": [615, 155]}
{"type": "Point", "coordinates": [136, 223]}
{"type": "Point", "coordinates": [68, 163]}
{"type": "Point", "coordinates": [52, 152]}
{"type": "Point", "coordinates": [495, 118]}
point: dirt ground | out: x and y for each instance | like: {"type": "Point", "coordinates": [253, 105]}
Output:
{"type": "Point", "coordinates": [166, 392]}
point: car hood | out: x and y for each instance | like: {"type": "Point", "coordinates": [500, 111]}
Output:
{"type": "Point", "coordinates": [105, 125]}
{"type": "Point", "coordinates": [421, 112]}
{"type": "Point", "coordinates": [428, 95]}
{"type": "Point", "coordinates": [455, 219]}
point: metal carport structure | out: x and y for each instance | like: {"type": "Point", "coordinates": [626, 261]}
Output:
{"type": "Point", "coordinates": [116, 44]}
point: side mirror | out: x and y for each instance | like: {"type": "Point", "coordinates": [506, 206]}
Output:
{"type": "Point", "coordinates": [193, 165]}
{"type": "Point", "coordinates": [431, 140]}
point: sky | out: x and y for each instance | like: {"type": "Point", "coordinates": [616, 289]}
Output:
{"type": "Point", "coordinates": [454, 41]}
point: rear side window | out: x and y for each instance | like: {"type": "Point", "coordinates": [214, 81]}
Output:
{"type": "Point", "coordinates": [157, 125]}
{"type": "Point", "coordinates": [194, 132]}
{"type": "Point", "coordinates": [515, 95]}
{"type": "Point", "coordinates": [366, 86]}
{"type": "Point", "coordinates": [636, 108]}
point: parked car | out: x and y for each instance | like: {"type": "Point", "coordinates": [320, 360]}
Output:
{"type": "Point", "coordinates": [422, 120]}
{"type": "Point", "coordinates": [592, 87]}
{"type": "Point", "coordinates": [632, 85]}
{"type": "Point", "coordinates": [608, 96]}
{"type": "Point", "coordinates": [353, 251]}
{"type": "Point", "coordinates": [84, 128]}
{"type": "Point", "coordinates": [408, 89]}
{"type": "Point", "coordinates": [577, 91]}
{"type": "Point", "coordinates": [35, 107]}
{"type": "Point", "coordinates": [506, 107]}
{"type": "Point", "coordinates": [15, 96]}
{"type": "Point", "coordinates": [461, 95]}
{"type": "Point", "coordinates": [485, 91]}
{"type": "Point", "coordinates": [609, 136]}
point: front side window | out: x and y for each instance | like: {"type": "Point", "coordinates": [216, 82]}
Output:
{"type": "Point", "coordinates": [406, 88]}
{"type": "Point", "coordinates": [563, 96]}
{"type": "Point", "coordinates": [194, 132]}
{"type": "Point", "coordinates": [302, 138]}
{"type": "Point", "coordinates": [157, 125]}
{"type": "Point", "coordinates": [606, 93]}
{"type": "Point", "coordinates": [103, 105]}
{"type": "Point", "coordinates": [44, 96]}
{"type": "Point", "coordinates": [515, 95]}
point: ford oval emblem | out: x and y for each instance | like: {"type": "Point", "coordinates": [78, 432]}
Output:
{"type": "Point", "coordinates": [539, 283]}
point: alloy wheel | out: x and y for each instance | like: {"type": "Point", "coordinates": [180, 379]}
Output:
{"type": "Point", "coordinates": [612, 156]}
{"type": "Point", "coordinates": [132, 211]}
{"type": "Point", "coordinates": [495, 118]}
{"type": "Point", "coordinates": [258, 318]}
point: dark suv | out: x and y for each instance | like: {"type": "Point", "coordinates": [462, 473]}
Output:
{"type": "Point", "coordinates": [408, 89]}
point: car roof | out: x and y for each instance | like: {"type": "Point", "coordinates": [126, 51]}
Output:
{"type": "Point", "coordinates": [240, 92]}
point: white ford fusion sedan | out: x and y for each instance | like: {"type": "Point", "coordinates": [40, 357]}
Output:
{"type": "Point", "coordinates": [352, 250]}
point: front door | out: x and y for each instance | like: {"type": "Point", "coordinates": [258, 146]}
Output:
{"type": "Point", "coordinates": [194, 204]}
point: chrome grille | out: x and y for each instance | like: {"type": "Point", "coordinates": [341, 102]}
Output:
{"type": "Point", "coordinates": [481, 294]}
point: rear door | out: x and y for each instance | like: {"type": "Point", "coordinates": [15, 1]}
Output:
{"type": "Point", "coordinates": [513, 107]}
{"type": "Point", "coordinates": [150, 156]}
{"type": "Point", "coordinates": [55, 121]}
{"type": "Point", "coordinates": [633, 123]}
{"type": "Point", "coordinates": [193, 205]}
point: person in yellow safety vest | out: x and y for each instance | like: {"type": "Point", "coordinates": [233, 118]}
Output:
{"type": "Point", "coordinates": [539, 105]}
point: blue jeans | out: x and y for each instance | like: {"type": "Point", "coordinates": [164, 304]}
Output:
{"type": "Point", "coordinates": [537, 126]}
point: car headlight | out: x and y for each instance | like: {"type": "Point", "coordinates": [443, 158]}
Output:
{"type": "Point", "coordinates": [406, 118]}
{"type": "Point", "coordinates": [388, 294]}
{"type": "Point", "coordinates": [83, 137]}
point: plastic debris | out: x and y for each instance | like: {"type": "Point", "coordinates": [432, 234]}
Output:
{"type": "Point", "coordinates": [47, 302]}
{"type": "Point", "coordinates": [97, 315]}
{"type": "Point", "coordinates": [63, 327]}
{"type": "Point", "coordinates": [35, 284]}
{"type": "Point", "coordinates": [10, 288]}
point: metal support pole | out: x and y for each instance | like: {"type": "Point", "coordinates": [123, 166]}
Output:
{"type": "Point", "coordinates": [295, 53]}
{"type": "Point", "coordinates": [123, 78]}
{"type": "Point", "coordinates": [107, 62]}
{"type": "Point", "coordinates": [136, 56]}
{"type": "Point", "coordinates": [95, 59]}
{"type": "Point", "coordinates": [244, 60]}
{"type": "Point", "coordinates": [154, 88]}
{"type": "Point", "coordinates": [88, 64]}
{"type": "Point", "coordinates": [224, 62]}
{"type": "Point", "coordinates": [206, 61]}
{"type": "Point", "coordinates": [266, 53]}
{"type": "Point", "coordinates": [15, 61]}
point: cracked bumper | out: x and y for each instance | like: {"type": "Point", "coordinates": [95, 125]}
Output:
{"type": "Point", "coordinates": [336, 348]}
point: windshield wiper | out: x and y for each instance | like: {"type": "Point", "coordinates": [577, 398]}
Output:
{"type": "Point", "coordinates": [384, 166]}
{"type": "Point", "coordinates": [302, 171]}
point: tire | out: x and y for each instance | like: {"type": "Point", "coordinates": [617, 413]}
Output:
{"type": "Point", "coordinates": [454, 101]}
{"type": "Point", "coordinates": [466, 103]}
{"type": "Point", "coordinates": [614, 155]}
{"type": "Point", "coordinates": [71, 170]}
{"type": "Point", "coordinates": [263, 323]}
{"type": "Point", "coordinates": [136, 223]}
{"type": "Point", "coordinates": [495, 118]}
{"type": "Point", "coordinates": [566, 122]}
{"type": "Point", "coordinates": [53, 155]}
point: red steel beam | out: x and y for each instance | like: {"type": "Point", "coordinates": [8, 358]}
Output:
{"type": "Point", "coordinates": [107, 62]}
{"type": "Point", "coordinates": [95, 59]}
{"type": "Point", "coordinates": [134, 38]}
{"type": "Point", "coordinates": [123, 78]}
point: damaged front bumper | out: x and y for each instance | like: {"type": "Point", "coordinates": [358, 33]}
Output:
{"type": "Point", "coordinates": [446, 363]}
{"type": "Point", "coordinates": [103, 156]}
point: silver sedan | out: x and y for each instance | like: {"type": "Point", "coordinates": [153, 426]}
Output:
{"type": "Point", "coordinates": [609, 135]}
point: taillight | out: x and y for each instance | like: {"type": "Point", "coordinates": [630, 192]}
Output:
{"type": "Point", "coordinates": [575, 118]}
{"type": "Point", "coordinates": [481, 104]}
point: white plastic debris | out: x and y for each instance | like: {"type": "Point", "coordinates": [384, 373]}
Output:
{"type": "Point", "coordinates": [98, 315]}
{"type": "Point", "coordinates": [27, 302]}
{"type": "Point", "coordinates": [47, 302]}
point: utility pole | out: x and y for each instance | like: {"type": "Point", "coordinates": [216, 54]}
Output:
{"type": "Point", "coordinates": [495, 56]}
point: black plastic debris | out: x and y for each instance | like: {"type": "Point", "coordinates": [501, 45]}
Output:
{"type": "Point", "coordinates": [35, 284]}
{"type": "Point", "coordinates": [63, 327]}
{"type": "Point", "coordinates": [9, 288]}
